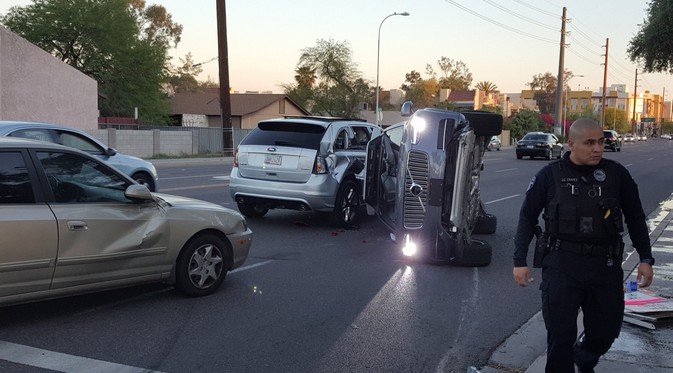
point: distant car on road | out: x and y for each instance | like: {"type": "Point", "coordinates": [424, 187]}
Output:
{"type": "Point", "coordinates": [630, 138]}
{"type": "Point", "coordinates": [72, 224]}
{"type": "Point", "coordinates": [612, 140]}
{"type": "Point", "coordinates": [539, 144]}
{"type": "Point", "coordinates": [142, 171]}
{"type": "Point", "coordinates": [494, 144]}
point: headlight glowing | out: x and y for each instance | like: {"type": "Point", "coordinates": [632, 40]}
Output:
{"type": "Point", "coordinates": [418, 125]}
{"type": "Point", "coordinates": [409, 248]}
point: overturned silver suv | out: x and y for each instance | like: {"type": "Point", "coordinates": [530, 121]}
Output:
{"type": "Point", "coordinates": [422, 180]}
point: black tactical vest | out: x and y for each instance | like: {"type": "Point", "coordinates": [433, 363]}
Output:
{"type": "Point", "coordinates": [585, 207]}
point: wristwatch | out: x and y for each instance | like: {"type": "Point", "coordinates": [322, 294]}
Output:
{"type": "Point", "coordinates": [649, 261]}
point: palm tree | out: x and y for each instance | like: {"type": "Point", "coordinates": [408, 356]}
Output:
{"type": "Point", "coordinates": [487, 87]}
{"type": "Point", "coordinates": [305, 77]}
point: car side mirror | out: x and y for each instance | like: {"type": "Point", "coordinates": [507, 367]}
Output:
{"type": "Point", "coordinates": [138, 192]}
{"type": "Point", "coordinates": [110, 152]}
{"type": "Point", "coordinates": [407, 109]}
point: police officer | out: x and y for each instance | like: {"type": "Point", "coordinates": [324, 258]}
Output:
{"type": "Point", "coordinates": [584, 198]}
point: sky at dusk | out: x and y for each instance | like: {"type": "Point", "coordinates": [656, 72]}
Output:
{"type": "Point", "coordinates": [506, 42]}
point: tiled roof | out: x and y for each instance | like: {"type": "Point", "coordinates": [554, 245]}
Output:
{"type": "Point", "coordinates": [208, 102]}
{"type": "Point", "coordinates": [457, 96]}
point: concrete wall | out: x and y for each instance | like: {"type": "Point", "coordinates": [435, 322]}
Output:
{"type": "Point", "coordinates": [38, 87]}
{"type": "Point", "coordinates": [149, 143]}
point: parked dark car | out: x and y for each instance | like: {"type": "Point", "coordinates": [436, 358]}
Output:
{"type": "Point", "coordinates": [422, 181]}
{"type": "Point", "coordinates": [612, 140]}
{"type": "Point", "coordinates": [539, 144]}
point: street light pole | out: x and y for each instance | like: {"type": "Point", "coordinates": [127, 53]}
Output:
{"type": "Point", "coordinates": [378, 53]}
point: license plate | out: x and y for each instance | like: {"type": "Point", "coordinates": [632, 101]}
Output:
{"type": "Point", "coordinates": [274, 160]}
{"type": "Point", "coordinates": [529, 146]}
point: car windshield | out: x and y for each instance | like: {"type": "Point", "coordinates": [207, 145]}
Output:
{"type": "Point", "coordinates": [536, 137]}
{"type": "Point", "coordinates": [299, 135]}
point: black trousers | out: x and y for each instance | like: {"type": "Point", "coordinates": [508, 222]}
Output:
{"type": "Point", "coordinates": [571, 282]}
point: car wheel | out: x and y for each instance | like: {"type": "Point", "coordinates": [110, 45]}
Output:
{"type": "Point", "coordinates": [619, 149]}
{"type": "Point", "coordinates": [144, 179]}
{"type": "Point", "coordinates": [252, 210]}
{"type": "Point", "coordinates": [486, 224]}
{"type": "Point", "coordinates": [549, 155]}
{"type": "Point", "coordinates": [498, 149]}
{"type": "Point", "coordinates": [201, 265]}
{"type": "Point", "coordinates": [519, 156]}
{"type": "Point", "coordinates": [476, 253]}
{"type": "Point", "coordinates": [347, 206]}
{"type": "Point", "coordinates": [484, 123]}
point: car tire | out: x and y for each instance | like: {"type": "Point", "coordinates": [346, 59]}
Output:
{"type": "Point", "coordinates": [251, 210]}
{"type": "Point", "coordinates": [549, 155]}
{"type": "Point", "coordinates": [144, 179]}
{"type": "Point", "coordinates": [486, 224]}
{"type": "Point", "coordinates": [619, 149]}
{"type": "Point", "coordinates": [201, 266]}
{"type": "Point", "coordinates": [484, 123]}
{"type": "Point", "coordinates": [519, 156]}
{"type": "Point", "coordinates": [347, 205]}
{"type": "Point", "coordinates": [476, 253]}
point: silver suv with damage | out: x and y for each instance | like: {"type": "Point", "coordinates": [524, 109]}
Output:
{"type": "Point", "coordinates": [302, 163]}
{"type": "Point", "coordinates": [422, 180]}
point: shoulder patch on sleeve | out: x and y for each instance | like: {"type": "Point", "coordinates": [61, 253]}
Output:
{"type": "Point", "coordinates": [532, 182]}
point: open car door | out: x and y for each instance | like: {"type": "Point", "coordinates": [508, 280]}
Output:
{"type": "Point", "coordinates": [380, 186]}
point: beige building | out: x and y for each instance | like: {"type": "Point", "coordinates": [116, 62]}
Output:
{"type": "Point", "coordinates": [38, 87]}
{"type": "Point", "coordinates": [202, 109]}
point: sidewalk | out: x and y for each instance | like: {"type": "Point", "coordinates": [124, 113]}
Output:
{"type": "Point", "coordinates": [636, 350]}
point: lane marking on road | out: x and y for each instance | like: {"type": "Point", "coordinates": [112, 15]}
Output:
{"type": "Point", "coordinates": [193, 177]}
{"type": "Point", "coordinates": [37, 357]}
{"type": "Point", "coordinates": [502, 199]}
{"type": "Point", "coordinates": [251, 266]}
{"type": "Point", "coordinates": [162, 190]}
{"type": "Point", "coordinates": [507, 169]}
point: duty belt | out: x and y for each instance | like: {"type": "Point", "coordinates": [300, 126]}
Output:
{"type": "Point", "coordinates": [581, 248]}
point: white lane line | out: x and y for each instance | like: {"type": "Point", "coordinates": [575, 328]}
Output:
{"type": "Point", "coordinates": [507, 169]}
{"type": "Point", "coordinates": [163, 190]}
{"type": "Point", "coordinates": [251, 266]}
{"type": "Point", "coordinates": [501, 199]}
{"type": "Point", "coordinates": [190, 177]}
{"type": "Point", "coordinates": [37, 357]}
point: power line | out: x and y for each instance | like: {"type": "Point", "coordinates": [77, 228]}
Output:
{"type": "Point", "coordinates": [582, 57]}
{"type": "Point", "coordinates": [551, 41]}
{"type": "Point", "coordinates": [521, 16]}
{"type": "Point", "coordinates": [579, 31]}
{"type": "Point", "coordinates": [537, 9]}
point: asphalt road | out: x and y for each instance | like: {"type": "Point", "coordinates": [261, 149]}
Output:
{"type": "Point", "coordinates": [313, 298]}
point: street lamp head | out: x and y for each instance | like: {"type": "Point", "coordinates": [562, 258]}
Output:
{"type": "Point", "coordinates": [402, 14]}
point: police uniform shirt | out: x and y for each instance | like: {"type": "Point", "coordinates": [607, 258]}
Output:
{"type": "Point", "coordinates": [542, 188]}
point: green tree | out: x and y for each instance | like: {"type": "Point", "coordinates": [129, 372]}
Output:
{"type": "Point", "coordinates": [544, 87]}
{"type": "Point", "coordinates": [616, 119]}
{"type": "Point", "coordinates": [183, 78]}
{"type": "Point", "coordinates": [487, 87]}
{"type": "Point", "coordinates": [337, 88]}
{"type": "Point", "coordinates": [121, 44]}
{"type": "Point", "coordinates": [666, 128]}
{"type": "Point", "coordinates": [651, 46]}
{"type": "Point", "coordinates": [302, 90]}
{"type": "Point", "coordinates": [523, 122]}
{"type": "Point", "coordinates": [455, 74]}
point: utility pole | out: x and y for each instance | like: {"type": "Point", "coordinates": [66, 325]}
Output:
{"type": "Point", "coordinates": [223, 58]}
{"type": "Point", "coordinates": [633, 114]}
{"type": "Point", "coordinates": [605, 82]}
{"type": "Point", "coordinates": [561, 72]}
